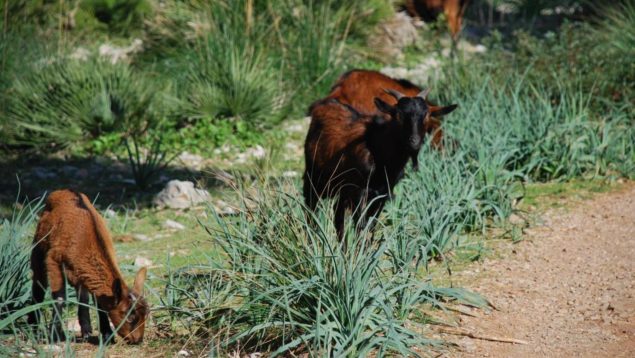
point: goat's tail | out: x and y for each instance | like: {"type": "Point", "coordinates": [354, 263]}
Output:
{"type": "Point", "coordinates": [100, 224]}
{"type": "Point", "coordinates": [101, 230]}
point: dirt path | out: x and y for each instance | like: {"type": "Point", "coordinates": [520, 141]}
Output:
{"type": "Point", "coordinates": [568, 289]}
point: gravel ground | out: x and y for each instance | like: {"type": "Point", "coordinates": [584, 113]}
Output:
{"type": "Point", "coordinates": [568, 290]}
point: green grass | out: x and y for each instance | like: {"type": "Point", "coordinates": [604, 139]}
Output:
{"type": "Point", "coordinates": [558, 194]}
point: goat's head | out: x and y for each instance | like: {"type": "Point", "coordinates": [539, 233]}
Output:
{"type": "Point", "coordinates": [131, 309]}
{"type": "Point", "coordinates": [411, 113]}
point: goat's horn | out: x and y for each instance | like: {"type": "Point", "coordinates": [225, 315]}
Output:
{"type": "Point", "coordinates": [424, 94]}
{"type": "Point", "coordinates": [394, 93]}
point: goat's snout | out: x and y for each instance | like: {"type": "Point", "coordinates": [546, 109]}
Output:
{"type": "Point", "coordinates": [414, 142]}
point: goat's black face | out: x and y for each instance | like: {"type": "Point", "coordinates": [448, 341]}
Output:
{"type": "Point", "coordinates": [411, 113]}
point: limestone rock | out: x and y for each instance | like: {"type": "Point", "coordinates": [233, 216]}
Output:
{"type": "Point", "coordinates": [179, 194]}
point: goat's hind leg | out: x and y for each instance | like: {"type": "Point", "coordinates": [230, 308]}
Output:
{"type": "Point", "coordinates": [58, 289]}
{"type": "Point", "coordinates": [39, 285]}
{"type": "Point", "coordinates": [340, 213]}
{"type": "Point", "coordinates": [368, 214]}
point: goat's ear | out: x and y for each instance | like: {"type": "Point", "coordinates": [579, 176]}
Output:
{"type": "Point", "coordinates": [383, 106]}
{"type": "Point", "coordinates": [139, 280]}
{"type": "Point", "coordinates": [442, 111]}
{"type": "Point", "coordinates": [117, 290]}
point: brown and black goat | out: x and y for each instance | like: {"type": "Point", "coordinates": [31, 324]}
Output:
{"type": "Point", "coordinates": [359, 88]}
{"type": "Point", "coordinates": [429, 10]}
{"type": "Point", "coordinates": [358, 159]}
{"type": "Point", "coordinates": [72, 244]}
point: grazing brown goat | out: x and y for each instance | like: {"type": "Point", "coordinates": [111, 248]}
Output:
{"type": "Point", "coordinates": [429, 10]}
{"type": "Point", "coordinates": [72, 244]}
{"type": "Point", "coordinates": [359, 88]}
{"type": "Point", "coordinates": [357, 158]}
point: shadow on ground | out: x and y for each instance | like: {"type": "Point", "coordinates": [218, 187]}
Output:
{"type": "Point", "coordinates": [108, 180]}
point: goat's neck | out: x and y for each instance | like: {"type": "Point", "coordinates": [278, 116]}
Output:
{"type": "Point", "coordinates": [387, 146]}
{"type": "Point", "coordinates": [100, 282]}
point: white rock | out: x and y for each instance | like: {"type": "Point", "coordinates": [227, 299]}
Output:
{"type": "Point", "coordinates": [43, 173]}
{"type": "Point", "coordinates": [192, 160]}
{"type": "Point", "coordinates": [53, 348]}
{"type": "Point", "coordinates": [80, 54]}
{"type": "Point", "coordinates": [73, 326]}
{"type": "Point", "coordinates": [171, 224]}
{"type": "Point", "coordinates": [140, 261]}
{"type": "Point", "coordinates": [183, 353]}
{"type": "Point", "coordinates": [257, 152]}
{"type": "Point", "coordinates": [119, 54]}
{"type": "Point", "coordinates": [141, 237]}
{"type": "Point", "coordinates": [296, 127]}
{"type": "Point", "coordinates": [109, 213]}
{"type": "Point", "coordinates": [222, 208]}
{"type": "Point", "coordinates": [180, 195]}
{"type": "Point", "coordinates": [392, 35]}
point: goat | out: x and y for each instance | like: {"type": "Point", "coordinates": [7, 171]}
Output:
{"type": "Point", "coordinates": [359, 88]}
{"type": "Point", "coordinates": [72, 242]}
{"type": "Point", "coordinates": [429, 10]}
{"type": "Point", "coordinates": [358, 158]}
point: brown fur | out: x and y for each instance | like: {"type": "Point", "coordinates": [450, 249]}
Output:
{"type": "Point", "coordinates": [352, 157]}
{"type": "Point", "coordinates": [428, 10]}
{"type": "Point", "coordinates": [359, 88]}
{"type": "Point", "coordinates": [73, 242]}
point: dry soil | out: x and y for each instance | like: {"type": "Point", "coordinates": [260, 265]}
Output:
{"type": "Point", "coordinates": [568, 289]}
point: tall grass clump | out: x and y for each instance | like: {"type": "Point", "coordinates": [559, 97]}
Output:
{"type": "Point", "coordinates": [312, 41]}
{"type": "Point", "coordinates": [541, 135]}
{"type": "Point", "coordinates": [507, 133]}
{"type": "Point", "coordinates": [254, 61]}
{"type": "Point", "coordinates": [290, 286]}
{"type": "Point", "coordinates": [15, 251]}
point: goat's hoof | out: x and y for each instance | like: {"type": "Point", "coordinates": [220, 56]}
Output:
{"type": "Point", "coordinates": [105, 337]}
{"type": "Point", "coordinates": [57, 335]}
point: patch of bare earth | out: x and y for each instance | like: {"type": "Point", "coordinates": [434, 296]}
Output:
{"type": "Point", "coordinates": [568, 290]}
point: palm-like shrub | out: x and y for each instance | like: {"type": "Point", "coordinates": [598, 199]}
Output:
{"type": "Point", "coordinates": [64, 103]}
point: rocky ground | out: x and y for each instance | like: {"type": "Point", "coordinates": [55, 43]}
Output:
{"type": "Point", "coordinates": [567, 290]}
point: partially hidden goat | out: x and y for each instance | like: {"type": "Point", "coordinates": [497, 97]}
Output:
{"type": "Point", "coordinates": [358, 159]}
{"type": "Point", "coordinates": [429, 10]}
{"type": "Point", "coordinates": [72, 244]}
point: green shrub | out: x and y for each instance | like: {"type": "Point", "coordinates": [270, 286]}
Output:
{"type": "Point", "coordinates": [60, 104]}
{"type": "Point", "coordinates": [113, 16]}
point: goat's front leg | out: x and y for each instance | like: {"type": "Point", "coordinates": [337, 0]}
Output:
{"type": "Point", "coordinates": [83, 313]}
{"type": "Point", "coordinates": [104, 326]}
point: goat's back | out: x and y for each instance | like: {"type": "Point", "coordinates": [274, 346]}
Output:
{"type": "Point", "coordinates": [72, 233]}
{"type": "Point", "coordinates": [335, 147]}
{"type": "Point", "coordinates": [359, 88]}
